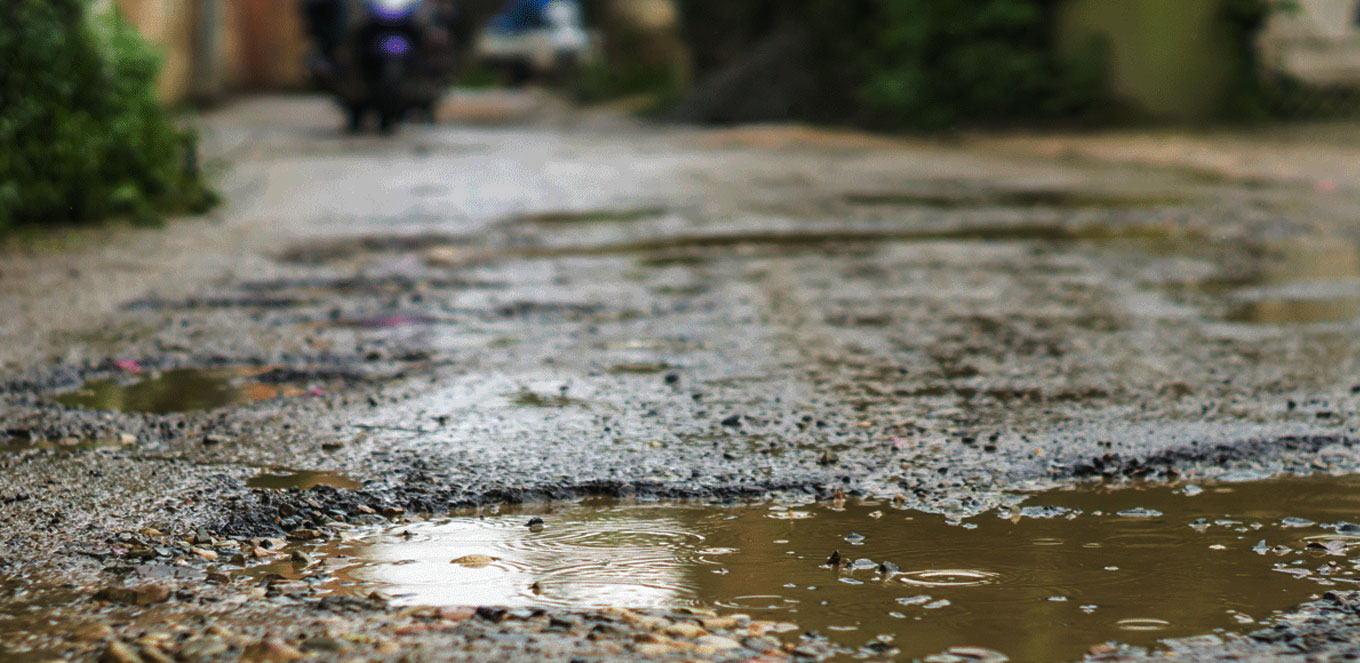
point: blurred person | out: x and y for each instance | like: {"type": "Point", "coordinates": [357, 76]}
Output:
{"type": "Point", "coordinates": [326, 21]}
{"type": "Point", "coordinates": [389, 58]}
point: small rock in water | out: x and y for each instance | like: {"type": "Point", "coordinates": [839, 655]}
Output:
{"type": "Point", "coordinates": [535, 524]}
{"type": "Point", "coordinates": [1347, 528]}
{"type": "Point", "coordinates": [834, 560]}
{"type": "Point", "coordinates": [915, 600]}
{"type": "Point", "coordinates": [1261, 548]}
{"type": "Point", "coordinates": [1200, 525]}
{"type": "Point", "coordinates": [1192, 490]}
{"type": "Point", "coordinates": [888, 569]}
{"type": "Point", "coordinates": [143, 595]}
{"type": "Point", "coordinates": [977, 654]}
{"type": "Point", "coordinates": [936, 605]}
{"type": "Point", "coordinates": [474, 561]}
{"type": "Point", "coordinates": [1293, 522]}
{"type": "Point", "coordinates": [862, 564]}
{"type": "Point", "coordinates": [1042, 512]}
{"type": "Point", "coordinates": [1140, 512]}
{"type": "Point", "coordinates": [854, 538]}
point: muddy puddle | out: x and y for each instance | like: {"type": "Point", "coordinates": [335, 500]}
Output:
{"type": "Point", "coordinates": [1043, 581]}
{"type": "Point", "coordinates": [1289, 282]}
{"type": "Point", "coordinates": [302, 480]}
{"type": "Point", "coordinates": [185, 390]}
{"type": "Point", "coordinates": [942, 197]}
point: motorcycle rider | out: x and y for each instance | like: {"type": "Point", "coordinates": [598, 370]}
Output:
{"type": "Point", "coordinates": [326, 21]}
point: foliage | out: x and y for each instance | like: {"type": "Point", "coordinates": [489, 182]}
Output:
{"type": "Point", "coordinates": [82, 135]}
{"type": "Point", "coordinates": [930, 64]}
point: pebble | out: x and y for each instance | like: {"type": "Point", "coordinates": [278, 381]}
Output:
{"type": "Point", "coordinates": [718, 642]}
{"type": "Point", "coordinates": [304, 534]}
{"type": "Point", "coordinates": [143, 595]}
{"type": "Point", "coordinates": [323, 643]}
{"type": "Point", "coordinates": [202, 647]}
{"type": "Point", "coordinates": [270, 651]}
{"type": "Point", "coordinates": [93, 632]}
{"type": "Point", "coordinates": [653, 649]}
{"type": "Point", "coordinates": [685, 630]}
{"type": "Point", "coordinates": [120, 652]}
{"type": "Point", "coordinates": [474, 561]}
{"type": "Point", "coordinates": [720, 623]}
{"type": "Point", "coordinates": [155, 655]}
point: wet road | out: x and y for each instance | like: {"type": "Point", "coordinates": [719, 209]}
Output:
{"type": "Point", "coordinates": [554, 304]}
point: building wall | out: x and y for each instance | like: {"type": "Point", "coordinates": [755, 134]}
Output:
{"type": "Point", "coordinates": [212, 47]}
{"type": "Point", "coordinates": [1170, 59]}
{"type": "Point", "coordinates": [1318, 43]}
{"type": "Point", "coordinates": [170, 24]}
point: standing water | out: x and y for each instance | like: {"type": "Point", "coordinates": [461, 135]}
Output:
{"type": "Point", "coordinates": [1042, 582]}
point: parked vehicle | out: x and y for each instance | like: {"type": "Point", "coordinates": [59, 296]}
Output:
{"type": "Point", "coordinates": [389, 58]}
{"type": "Point", "coordinates": [536, 39]}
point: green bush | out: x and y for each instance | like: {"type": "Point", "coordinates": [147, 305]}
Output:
{"type": "Point", "coordinates": [82, 135]}
{"type": "Point", "coordinates": [931, 64]}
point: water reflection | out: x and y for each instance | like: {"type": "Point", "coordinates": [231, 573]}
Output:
{"type": "Point", "coordinates": [600, 557]}
{"type": "Point", "coordinates": [181, 390]}
{"type": "Point", "coordinates": [302, 481]}
{"type": "Point", "coordinates": [1298, 282]}
{"type": "Point", "coordinates": [1032, 588]}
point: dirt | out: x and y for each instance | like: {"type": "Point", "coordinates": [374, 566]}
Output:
{"type": "Point", "coordinates": [483, 315]}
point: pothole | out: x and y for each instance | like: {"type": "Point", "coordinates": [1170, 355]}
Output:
{"type": "Point", "coordinates": [1035, 583]}
{"type": "Point", "coordinates": [188, 390]}
{"type": "Point", "coordinates": [303, 480]}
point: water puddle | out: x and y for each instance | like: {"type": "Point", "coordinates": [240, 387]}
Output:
{"type": "Point", "coordinates": [640, 368]}
{"type": "Point", "coordinates": [1305, 281]}
{"type": "Point", "coordinates": [1032, 198]}
{"type": "Point", "coordinates": [304, 480]}
{"type": "Point", "coordinates": [69, 444]}
{"type": "Point", "coordinates": [184, 390]}
{"type": "Point", "coordinates": [596, 216]}
{"type": "Point", "coordinates": [1291, 311]}
{"type": "Point", "coordinates": [1040, 582]}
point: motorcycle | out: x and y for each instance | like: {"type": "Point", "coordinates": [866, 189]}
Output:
{"type": "Point", "coordinates": [394, 59]}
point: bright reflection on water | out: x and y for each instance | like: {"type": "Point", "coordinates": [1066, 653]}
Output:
{"type": "Point", "coordinates": [1042, 584]}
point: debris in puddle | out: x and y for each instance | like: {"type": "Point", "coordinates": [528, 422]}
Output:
{"type": "Point", "coordinates": [988, 586]}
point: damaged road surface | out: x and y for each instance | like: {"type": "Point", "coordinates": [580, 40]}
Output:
{"type": "Point", "coordinates": [321, 425]}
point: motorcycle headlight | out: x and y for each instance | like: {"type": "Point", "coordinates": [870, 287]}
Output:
{"type": "Point", "coordinates": [395, 8]}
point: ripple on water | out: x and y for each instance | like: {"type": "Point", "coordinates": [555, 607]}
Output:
{"type": "Point", "coordinates": [1119, 578]}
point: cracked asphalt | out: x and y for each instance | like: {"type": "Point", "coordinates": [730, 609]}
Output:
{"type": "Point", "coordinates": [565, 303]}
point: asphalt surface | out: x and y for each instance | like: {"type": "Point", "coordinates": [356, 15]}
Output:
{"type": "Point", "coordinates": [559, 304]}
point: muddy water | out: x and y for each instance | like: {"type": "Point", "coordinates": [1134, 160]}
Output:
{"type": "Point", "coordinates": [183, 390]}
{"type": "Point", "coordinates": [302, 480]}
{"type": "Point", "coordinates": [1299, 282]}
{"type": "Point", "coordinates": [1039, 582]}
